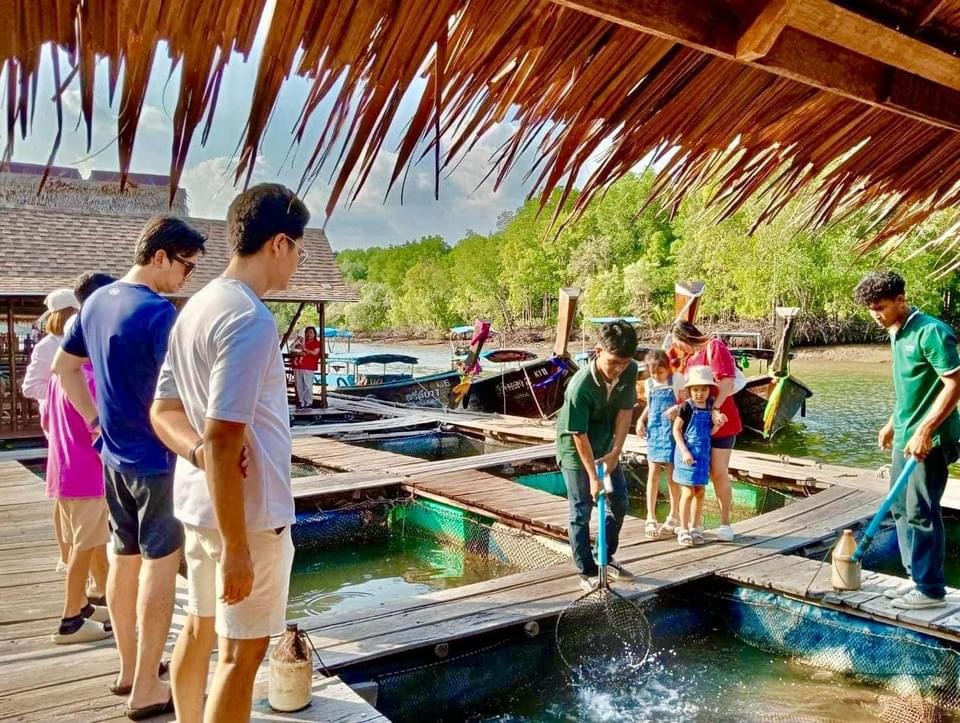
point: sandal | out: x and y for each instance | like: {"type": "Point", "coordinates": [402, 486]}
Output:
{"type": "Point", "coordinates": [685, 538]}
{"type": "Point", "coordinates": [697, 534]}
{"type": "Point", "coordinates": [651, 529]}
{"type": "Point", "coordinates": [126, 689]}
{"type": "Point", "coordinates": [669, 528]}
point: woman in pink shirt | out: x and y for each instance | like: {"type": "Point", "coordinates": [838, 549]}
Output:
{"type": "Point", "coordinates": [75, 481]}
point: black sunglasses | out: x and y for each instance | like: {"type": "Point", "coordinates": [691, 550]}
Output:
{"type": "Point", "coordinates": [189, 266]}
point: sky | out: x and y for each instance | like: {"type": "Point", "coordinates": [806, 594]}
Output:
{"type": "Point", "coordinates": [370, 221]}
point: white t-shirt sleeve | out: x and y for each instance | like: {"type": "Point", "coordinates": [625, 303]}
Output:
{"type": "Point", "coordinates": [167, 383]}
{"type": "Point", "coordinates": [245, 347]}
{"type": "Point", "coordinates": [39, 369]}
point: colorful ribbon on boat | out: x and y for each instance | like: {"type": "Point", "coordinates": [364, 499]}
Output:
{"type": "Point", "coordinates": [563, 366]}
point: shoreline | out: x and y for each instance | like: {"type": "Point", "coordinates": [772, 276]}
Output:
{"type": "Point", "coordinates": [861, 353]}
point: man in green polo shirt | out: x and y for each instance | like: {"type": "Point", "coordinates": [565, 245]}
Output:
{"type": "Point", "coordinates": [591, 428]}
{"type": "Point", "coordinates": [924, 425]}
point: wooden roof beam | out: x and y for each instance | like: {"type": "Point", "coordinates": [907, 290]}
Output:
{"type": "Point", "coordinates": [772, 42]}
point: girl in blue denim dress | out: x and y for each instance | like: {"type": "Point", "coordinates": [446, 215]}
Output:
{"type": "Point", "coordinates": [662, 395]}
{"type": "Point", "coordinates": [692, 430]}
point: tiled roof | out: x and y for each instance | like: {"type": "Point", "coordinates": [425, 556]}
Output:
{"type": "Point", "coordinates": [43, 249]}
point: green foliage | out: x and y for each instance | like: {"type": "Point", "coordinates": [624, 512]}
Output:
{"type": "Point", "coordinates": [626, 253]}
{"type": "Point", "coordinates": [372, 311]}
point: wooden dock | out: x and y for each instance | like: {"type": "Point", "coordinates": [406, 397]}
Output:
{"type": "Point", "coordinates": [458, 482]}
{"type": "Point", "coordinates": [30, 591]}
{"type": "Point", "coordinates": [448, 615]}
{"type": "Point", "coordinates": [40, 681]}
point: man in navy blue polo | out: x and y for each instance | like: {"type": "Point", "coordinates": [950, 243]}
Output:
{"type": "Point", "coordinates": [122, 330]}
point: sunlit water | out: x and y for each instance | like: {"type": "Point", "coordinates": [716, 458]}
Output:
{"type": "Point", "coordinates": [707, 678]}
{"type": "Point", "coordinates": [358, 575]}
{"type": "Point", "coordinates": [851, 401]}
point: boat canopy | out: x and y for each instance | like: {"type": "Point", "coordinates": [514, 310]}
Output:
{"type": "Point", "coordinates": [503, 356]}
{"type": "Point", "coordinates": [608, 319]}
{"type": "Point", "coordinates": [385, 359]}
{"type": "Point", "coordinates": [330, 332]}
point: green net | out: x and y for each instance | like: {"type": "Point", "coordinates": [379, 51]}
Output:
{"type": "Point", "coordinates": [475, 536]}
{"type": "Point", "coordinates": [921, 673]}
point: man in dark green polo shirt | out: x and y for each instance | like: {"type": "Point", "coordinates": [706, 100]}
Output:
{"type": "Point", "coordinates": [924, 425]}
{"type": "Point", "coordinates": [591, 428]}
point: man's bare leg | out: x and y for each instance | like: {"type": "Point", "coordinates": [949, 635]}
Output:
{"type": "Point", "coordinates": [122, 585]}
{"type": "Point", "coordinates": [158, 580]}
{"type": "Point", "coordinates": [190, 666]}
{"type": "Point", "coordinates": [231, 693]}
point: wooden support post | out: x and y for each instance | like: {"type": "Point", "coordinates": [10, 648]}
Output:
{"type": "Point", "coordinates": [322, 316]}
{"type": "Point", "coordinates": [12, 360]}
{"type": "Point", "coordinates": [293, 324]}
{"type": "Point", "coordinates": [759, 38]}
{"type": "Point", "coordinates": [811, 41]}
{"type": "Point", "coordinates": [568, 309]}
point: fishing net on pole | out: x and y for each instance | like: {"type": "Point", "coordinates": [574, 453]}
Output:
{"type": "Point", "coordinates": [603, 636]}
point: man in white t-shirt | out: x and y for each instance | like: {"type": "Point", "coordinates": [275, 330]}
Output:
{"type": "Point", "coordinates": [222, 390]}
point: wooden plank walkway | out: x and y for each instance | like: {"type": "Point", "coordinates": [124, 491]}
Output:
{"type": "Point", "coordinates": [40, 681]}
{"type": "Point", "coordinates": [454, 481]}
{"type": "Point", "coordinates": [447, 615]}
{"type": "Point", "coordinates": [809, 581]}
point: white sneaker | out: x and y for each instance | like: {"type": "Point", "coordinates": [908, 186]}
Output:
{"type": "Point", "coordinates": [916, 600]}
{"type": "Point", "coordinates": [588, 584]}
{"type": "Point", "coordinates": [899, 590]}
{"type": "Point", "coordinates": [724, 533]}
{"type": "Point", "coordinates": [61, 566]}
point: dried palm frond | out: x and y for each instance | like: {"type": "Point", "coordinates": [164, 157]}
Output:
{"type": "Point", "coordinates": [576, 87]}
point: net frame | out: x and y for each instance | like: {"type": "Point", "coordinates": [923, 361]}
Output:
{"type": "Point", "coordinates": [602, 635]}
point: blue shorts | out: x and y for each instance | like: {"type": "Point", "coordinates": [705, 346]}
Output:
{"type": "Point", "coordinates": [141, 514]}
{"type": "Point", "coordinates": [723, 442]}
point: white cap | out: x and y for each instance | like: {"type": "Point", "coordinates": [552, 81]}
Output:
{"type": "Point", "coordinates": [58, 300]}
{"type": "Point", "coordinates": [61, 299]}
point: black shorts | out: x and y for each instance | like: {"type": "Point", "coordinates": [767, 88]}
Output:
{"type": "Point", "coordinates": [723, 442]}
{"type": "Point", "coordinates": [141, 514]}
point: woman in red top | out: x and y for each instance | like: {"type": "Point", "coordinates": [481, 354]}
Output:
{"type": "Point", "coordinates": [304, 363]}
{"type": "Point", "coordinates": [692, 348]}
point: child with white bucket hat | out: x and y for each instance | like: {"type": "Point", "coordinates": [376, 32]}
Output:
{"type": "Point", "coordinates": [692, 430]}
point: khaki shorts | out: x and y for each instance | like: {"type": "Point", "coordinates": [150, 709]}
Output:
{"type": "Point", "coordinates": [264, 611]}
{"type": "Point", "coordinates": [83, 521]}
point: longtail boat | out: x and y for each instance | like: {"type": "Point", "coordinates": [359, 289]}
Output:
{"type": "Point", "coordinates": [769, 400]}
{"type": "Point", "coordinates": [431, 390]}
{"type": "Point", "coordinates": [535, 387]}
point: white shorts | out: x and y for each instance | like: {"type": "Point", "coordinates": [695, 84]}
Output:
{"type": "Point", "coordinates": [264, 611]}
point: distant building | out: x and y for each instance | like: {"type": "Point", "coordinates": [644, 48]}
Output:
{"type": "Point", "coordinates": [76, 225]}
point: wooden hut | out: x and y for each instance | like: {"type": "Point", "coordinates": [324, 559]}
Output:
{"type": "Point", "coordinates": [46, 248]}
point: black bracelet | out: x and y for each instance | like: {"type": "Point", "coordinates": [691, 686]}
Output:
{"type": "Point", "coordinates": [193, 452]}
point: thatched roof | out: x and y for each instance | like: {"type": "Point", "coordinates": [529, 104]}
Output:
{"type": "Point", "coordinates": [143, 193]}
{"type": "Point", "coordinates": [46, 248]}
{"type": "Point", "coordinates": [753, 95]}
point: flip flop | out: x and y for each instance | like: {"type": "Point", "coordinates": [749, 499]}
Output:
{"type": "Point", "coordinates": [127, 689]}
{"type": "Point", "coordinates": [150, 711]}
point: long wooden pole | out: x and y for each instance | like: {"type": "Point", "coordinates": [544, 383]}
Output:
{"type": "Point", "coordinates": [322, 314]}
{"type": "Point", "coordinates": [567, 302]}
{"type": "Point", "coordinates": [12, 360]}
